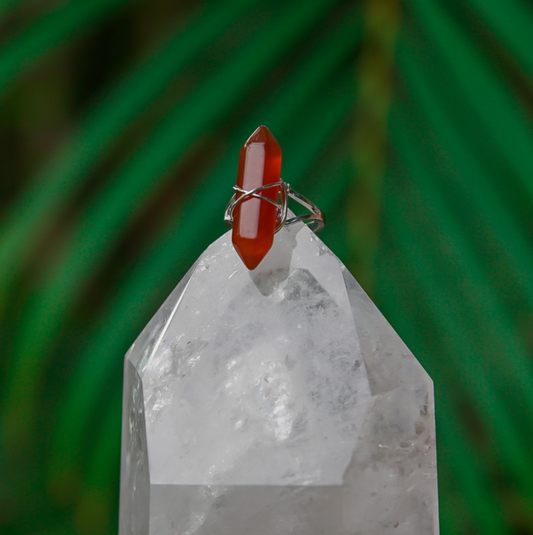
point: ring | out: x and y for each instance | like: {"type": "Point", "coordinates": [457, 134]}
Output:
{"type": "Point", "coordinates": [316, 219]}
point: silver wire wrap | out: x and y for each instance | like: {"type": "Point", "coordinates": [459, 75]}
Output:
{"type": "Point", "coordinates": [316, 219]}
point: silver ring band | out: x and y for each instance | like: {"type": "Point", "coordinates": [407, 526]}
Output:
{"type": "Point", "coordinates": [316, 219]}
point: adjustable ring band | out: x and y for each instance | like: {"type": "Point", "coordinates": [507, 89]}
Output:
{"type": "Point", "coordinates": [316, 219]}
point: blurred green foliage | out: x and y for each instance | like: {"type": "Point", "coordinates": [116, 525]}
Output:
{"type": "Point", "coordinates": [410, 122]}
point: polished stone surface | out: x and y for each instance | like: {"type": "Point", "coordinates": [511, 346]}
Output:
{"type": "Point", "coordinates": [255, 219]}
{"type": "Point", "coordinates": [275, 402]}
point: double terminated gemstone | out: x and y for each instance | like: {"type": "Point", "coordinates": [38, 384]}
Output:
{"type": "Point", "coordinates": [254, 220]}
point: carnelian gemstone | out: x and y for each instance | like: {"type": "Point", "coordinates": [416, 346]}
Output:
{"type": "Point", "coordinates": [254, 220]}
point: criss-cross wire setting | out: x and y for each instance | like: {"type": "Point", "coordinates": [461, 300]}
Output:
{"type": "Point", "coordinates": [316, 219]}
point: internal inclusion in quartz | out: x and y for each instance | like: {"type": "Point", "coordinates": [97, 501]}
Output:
{"type": "Point", "coordinates": [275, 402]}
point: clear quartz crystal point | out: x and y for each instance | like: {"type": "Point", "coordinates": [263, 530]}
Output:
{"type": "Point", "coordinates": [275, 402]}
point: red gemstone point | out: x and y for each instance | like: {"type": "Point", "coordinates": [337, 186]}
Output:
{"type": "Point", "coordinates": [254, 220]}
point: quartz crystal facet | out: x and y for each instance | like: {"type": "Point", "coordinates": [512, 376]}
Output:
{"type": "Point", "coordinates": [254, 220]}
{"type": "Point", "coordinates": [275, 402]}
